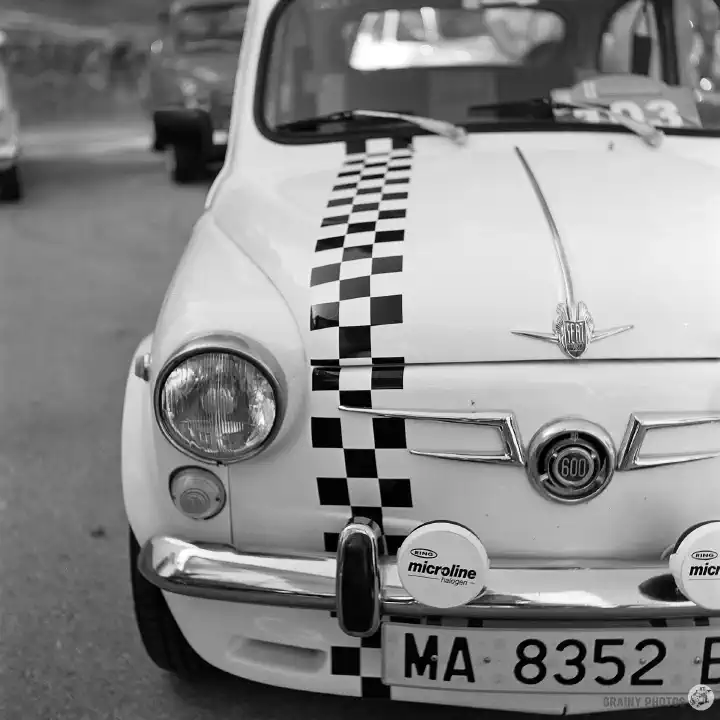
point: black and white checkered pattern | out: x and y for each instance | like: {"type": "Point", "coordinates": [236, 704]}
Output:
{"type": "Point", "coordinates": [356, 354]}
{"type": "Point", "coordinates": [356, 449]}
{"type": "Point", "coordinates": [355, 287]}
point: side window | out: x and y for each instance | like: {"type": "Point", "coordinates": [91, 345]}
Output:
{"type": "Point", "coordinates": [461, 24]}
{"type": "Point", "coordinates": [164, 42]}
{"type": "Point", "coordinates": [373, 25]}
{"type": "Point", "coordinates": [517, 31]}
{"type": "Point", "coordinates": [368, 30]}
{"type": "Point", "coordinates": [411, 27]}
{"type": "Point", "coordinates": [636, 18]}
{"type": "Point", "coordinates": [287, 71]}
{"type": "Point", "coordinates": [698, 34]}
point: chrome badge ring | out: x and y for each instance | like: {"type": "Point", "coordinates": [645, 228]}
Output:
{"type": "Point", "coordinates": [571, 460]}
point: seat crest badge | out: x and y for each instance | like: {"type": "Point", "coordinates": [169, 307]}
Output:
{"type": "Point", "coordinates": [573, 329]}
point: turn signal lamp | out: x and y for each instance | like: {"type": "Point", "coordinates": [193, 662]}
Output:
{"type": "Point", "coordinates": [197, 493]}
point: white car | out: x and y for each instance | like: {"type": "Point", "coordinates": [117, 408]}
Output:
{"type": "Point", "coordinates": [431, 411]}
{"type": "Point", "coordinates": [11, 189]}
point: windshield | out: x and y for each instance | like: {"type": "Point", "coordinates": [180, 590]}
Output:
{"type": "Point", "coordinates": [202, 25]}
{"type": "Point", "coordinates": [463, 61]}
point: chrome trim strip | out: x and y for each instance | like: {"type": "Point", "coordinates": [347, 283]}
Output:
{"type": "Point", "coordinates": [571, 315]}
{"type": "Point", "coordinates": [503, 422]}
{"type": "Point", "coordinates": [513, 454]}
{"type": "Point", "coordinates": [244, 348]}
{"type": "Point", "coordinates": [603, 334]}
{"type": "Point", "coordinates": [142, 367]}
{"type": "Point", "coordinates": [554, 231]}
{"type": "Point", "coordinates": [641, 423]}
{"type": "Point", "coordinates": [216, 572]}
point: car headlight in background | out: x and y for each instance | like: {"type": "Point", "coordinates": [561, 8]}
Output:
{"type": "Point", "coordinates": [194, 93]}
{"type": "Point", "coordinates": [217, 404]}
{"type": "Point", "coordinates": [189, 87]}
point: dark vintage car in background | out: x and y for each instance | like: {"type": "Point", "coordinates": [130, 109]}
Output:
{"type": "Point", "coordinates": [10, 182]}
{"type": "Point", "coordinates": [189, 82]}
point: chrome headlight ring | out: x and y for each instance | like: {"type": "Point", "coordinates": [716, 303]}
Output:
{"type": "Point", "coordinates": [243, 349]}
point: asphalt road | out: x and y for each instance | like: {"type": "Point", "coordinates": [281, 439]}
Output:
{"type": "Point", "coordinates": [84, 263]}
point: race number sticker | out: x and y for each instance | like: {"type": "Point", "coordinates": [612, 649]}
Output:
{"type": "Point", "coordinates": [658, 112]}
{"type": "Point", "coordinates": [638, 98]}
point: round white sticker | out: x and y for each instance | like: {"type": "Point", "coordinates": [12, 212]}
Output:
{"type": "Point", "coordinates": [695, 565]}
{"type": "Point", "coordinates": [443, 565]}
{"type": "Point", "coordinates": [701, 697]}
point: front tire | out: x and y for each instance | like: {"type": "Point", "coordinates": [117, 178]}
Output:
{"type": "Point", "coordinates": [187, 163]}
{"type": "Point", "coordinates": [159, 143]}
{"type": "Point", "coordinates": [11, 188]}
{"type": "Point", "coordinates": [160, 634]}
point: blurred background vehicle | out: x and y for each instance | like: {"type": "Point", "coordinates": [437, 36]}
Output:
{"type": "Point", "coordinates": [75, 65]}
{"type": "Point", "coordinates": [434, 36]}
{"type": "Point", "coordinates": [188, 86]}
{"type": "Point", "coordinates": [10, 182]}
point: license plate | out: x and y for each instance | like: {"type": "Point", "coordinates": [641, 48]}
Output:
{"type": "Point", "coordinates": [666, 661]}
{"type": "Point", "coordinates": [220, 137]}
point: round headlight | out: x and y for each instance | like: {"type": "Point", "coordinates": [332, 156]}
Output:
{"type": "Point", "coordinates": [217, 405]}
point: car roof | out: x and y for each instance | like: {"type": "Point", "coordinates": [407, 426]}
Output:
{"type": "Point", "coordinates": [180, 5]}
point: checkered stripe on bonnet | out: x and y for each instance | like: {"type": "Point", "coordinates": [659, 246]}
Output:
{"type": "Point", "coordinates": [355, 318]}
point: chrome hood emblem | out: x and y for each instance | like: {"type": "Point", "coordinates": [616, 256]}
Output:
{"type": "Point", "coordinates": [574, 328]}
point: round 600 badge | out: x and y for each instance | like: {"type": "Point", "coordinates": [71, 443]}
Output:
{"type": "Point", "coordinates": [695, 565]}
{"type": "Point", "coordinates": [443, 565]}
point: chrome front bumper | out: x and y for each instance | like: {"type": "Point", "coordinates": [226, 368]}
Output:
{"type": "Point", "coordinates": [362, 585]}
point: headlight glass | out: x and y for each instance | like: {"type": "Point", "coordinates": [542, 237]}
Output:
{"type": "Point", "coordinates": [218, 406]}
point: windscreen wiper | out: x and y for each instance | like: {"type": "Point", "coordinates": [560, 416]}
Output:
{"type": "Point", "coordinates": [455, 133]}
{"type": "Point", "coordinates": [651, 135]}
